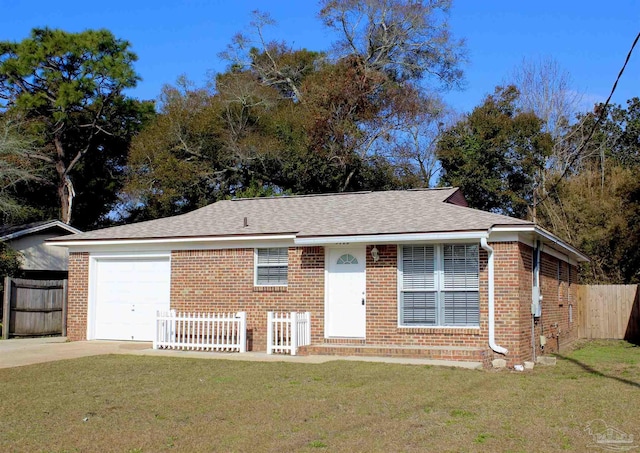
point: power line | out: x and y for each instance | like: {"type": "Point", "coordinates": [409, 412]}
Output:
{"type": "Point", "coordinates": [603, 112]}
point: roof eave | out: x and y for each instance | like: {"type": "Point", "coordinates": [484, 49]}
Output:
{"type": "Point", "coordinates": [38, 228]}
{"type": "Point", "coordinates": [535, 229]}
{"type": "Point", "coordinates": [390, 238]}
{"type": "Point", "coordinates": [169, 240]}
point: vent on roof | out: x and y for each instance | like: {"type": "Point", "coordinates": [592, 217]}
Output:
{"type": "Point", "coordinates": [246, 222]}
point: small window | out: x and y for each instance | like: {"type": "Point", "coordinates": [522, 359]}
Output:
{"type": "Point", "coordinates": [347, 259]}
{"type": "Point", "coordinates": [271, 266]}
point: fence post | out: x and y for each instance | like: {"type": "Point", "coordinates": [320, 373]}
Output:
{"type": "Point", "coordinates": [293, 317]}
{"type": "Point", "coordinates": [307, 328]}
{"type": "Point", "coordinates": [173, 325]}
{"type": "Point", "coordinates": [6, 311]}
{"type": "Point", "coordinates": [243, 331]}
{"type": "Point", "coordinates": [269, 332]}
{"type": "Point", "coordinates": [65, 305]}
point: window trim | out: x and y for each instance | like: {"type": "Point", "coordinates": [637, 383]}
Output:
{"type": "Point", "coordinates": [256, 265]}
{"type": "Point", "coordinates": [439, 286]}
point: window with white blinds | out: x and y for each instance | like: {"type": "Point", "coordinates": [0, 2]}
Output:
{"type": "Point", "coordinates": [271, 266]}
{"type": "Point", "coordinates": [439, 285]}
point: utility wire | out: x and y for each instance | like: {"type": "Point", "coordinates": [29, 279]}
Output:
{"type": "Point", "coordinates": [603, 112]}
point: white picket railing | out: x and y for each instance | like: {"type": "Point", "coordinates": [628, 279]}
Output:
{"type": "Point", "coordinates": [201, 331]}
{"type": "Point", "coordinates": [288, 331]}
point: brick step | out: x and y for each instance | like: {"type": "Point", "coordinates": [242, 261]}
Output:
{"type": "Point", "coordinates": [418, 352]}
{"type": "Point", "coordinates": [344, 341]}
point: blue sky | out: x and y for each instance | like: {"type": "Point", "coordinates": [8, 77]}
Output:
{"type": "Point", "coordinates": [590, 39]}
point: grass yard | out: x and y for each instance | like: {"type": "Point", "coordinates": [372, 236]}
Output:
{"type": "Point", "coordinates": [150, 404]}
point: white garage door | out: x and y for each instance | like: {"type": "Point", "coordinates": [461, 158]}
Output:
{"type": "Point", "coordinates": [128, 294]}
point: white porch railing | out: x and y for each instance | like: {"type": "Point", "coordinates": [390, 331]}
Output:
{"type": "Point", "coordinates": [288, 331]}
{"type": "Point", "coordinates": [201, 331]}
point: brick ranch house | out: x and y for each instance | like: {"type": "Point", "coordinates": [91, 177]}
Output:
{"type": "Point", "coordinates": [412, 273]}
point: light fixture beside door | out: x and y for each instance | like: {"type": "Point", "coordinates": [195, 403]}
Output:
{"type": "Point", "coordinates": [375, 254]}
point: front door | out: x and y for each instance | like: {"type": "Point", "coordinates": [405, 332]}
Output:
{"type": "Point", "coordinates": [346, 293]}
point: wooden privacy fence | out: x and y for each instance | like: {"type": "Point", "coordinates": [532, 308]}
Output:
{"type": "Point", "coordinates": [34, 307]}
{"type": "Point", "coordinates": [201, 331]}
{"type": "Point", "coordinates": [288, 331]}
{"type": "Point", "coordinates": [609, 312]}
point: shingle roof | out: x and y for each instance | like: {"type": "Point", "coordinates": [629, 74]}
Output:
{"type": "Point", "coordinates": [360, 213]}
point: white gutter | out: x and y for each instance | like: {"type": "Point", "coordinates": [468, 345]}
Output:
{"type": "Point", "coordinates": [559, 242]}
{"type": "Point", "coordinates": [492, 334]}
{"type": "Point", "coordinates": [390, 238]}
{"type": "Point", "coordinates": [214, 239]}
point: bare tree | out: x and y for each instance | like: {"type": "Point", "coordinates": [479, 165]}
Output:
{"type": "Point", "coordinates": [406, 39]}
{"type": "Point", "coordinates": [415, 144]}
{"type": "Point", "coordinates": [275, 63]}
{"type": "Point", "coordinates": [547, 90]}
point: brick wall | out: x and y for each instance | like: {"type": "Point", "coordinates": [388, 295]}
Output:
{"type": "Point", "coordinates": [222, 281]}
{"type": "Point", "coordinates": [78, 291]}
{"type": "Point", "coordinates": [382, 309]}
{"type": "Point", "coordinates": [558, 281]}
{"type": "Point", "coordinates": [508, 273]}
{"type": "Point", "coordinates": [525, 288]}
{"type": "Point", "coordinates": [558, 293]}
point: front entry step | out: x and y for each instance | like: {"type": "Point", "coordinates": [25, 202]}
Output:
{"type": "Point", "coordinates": [454, 353]}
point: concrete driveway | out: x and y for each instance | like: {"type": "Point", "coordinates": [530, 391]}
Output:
{"type": "Point", "coordinates": [28, 351]}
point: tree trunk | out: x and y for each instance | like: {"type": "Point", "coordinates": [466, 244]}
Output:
{"type": "Point", "coordinates": [65, 187]}
{"type": "Point", "coordinates": [65, 199]}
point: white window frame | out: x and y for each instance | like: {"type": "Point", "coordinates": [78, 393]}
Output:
{"type": "Point", "coordinates": [256, 266]}
{"type": "Point", "coordinates": [439, 287]}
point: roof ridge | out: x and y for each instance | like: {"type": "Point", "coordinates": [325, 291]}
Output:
{"type": "Point", "coordinates": [425, 189]}
{"type": "Point", "coordinates": [330, 194]}
{"type": "Point", "coordinates": [362, 192]}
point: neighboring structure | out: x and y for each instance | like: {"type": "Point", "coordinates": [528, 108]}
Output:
{"type": "Point", "coordinates": [407, 273]}
{"type": "Point", "coordinates": [38, 259]}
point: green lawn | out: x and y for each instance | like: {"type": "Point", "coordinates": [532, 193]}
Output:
{"type": "Point", "coordinates": [150, 404]}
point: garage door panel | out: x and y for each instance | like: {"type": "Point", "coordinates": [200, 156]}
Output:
{"type": "Point", "coordinates": [128, 294]}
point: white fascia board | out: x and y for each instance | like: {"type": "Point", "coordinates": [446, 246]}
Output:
{"type": "Point", "coordinates": [514, 228]}
{"type": "Point", "coordinates": [505, 236]}
{"type": "Point", "coordinates": [106, 255]}
{"type": "Point", "coordinates": [44, 226]}
{"type": "Point", "coordinates": [391, 238]}
{"type": "Point", "coordinates": [178, 243]}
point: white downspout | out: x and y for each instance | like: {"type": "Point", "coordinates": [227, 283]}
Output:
{"type": "Point", "coordinates": [492, 333]}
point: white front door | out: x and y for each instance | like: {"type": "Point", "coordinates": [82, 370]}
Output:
{"type": "Point", "coordinates": [346, 293]}
{"type": "Point", "coordinates": [128, 292]}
